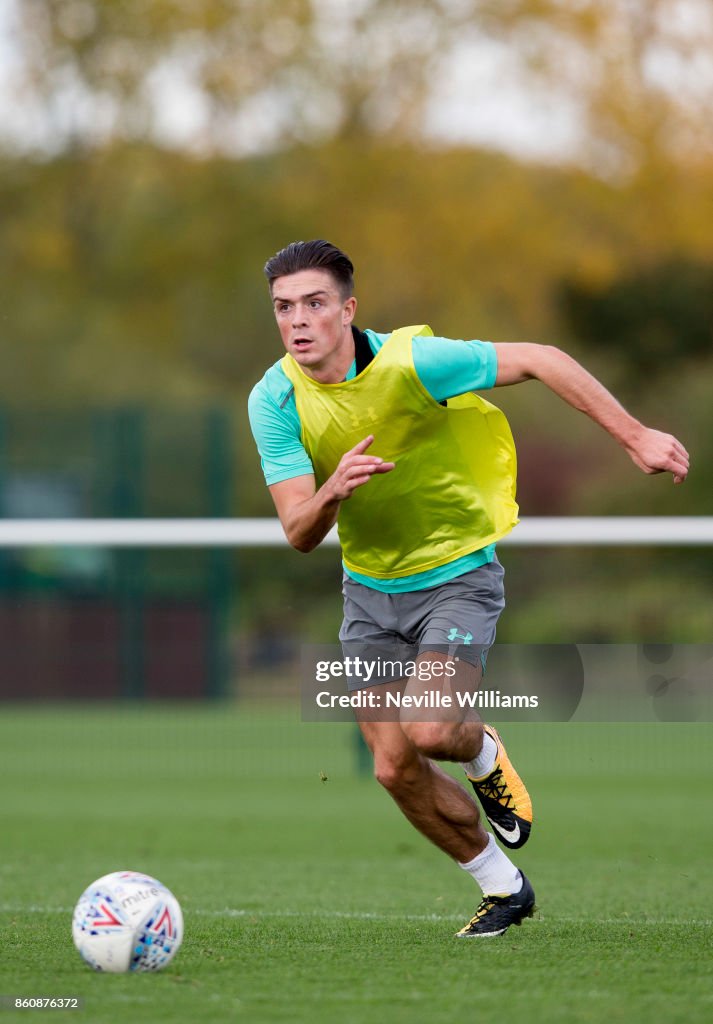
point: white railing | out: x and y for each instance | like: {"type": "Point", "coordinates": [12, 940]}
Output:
{"type": "Point", "coordinates": [536, 531]}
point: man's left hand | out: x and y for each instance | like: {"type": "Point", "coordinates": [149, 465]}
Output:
{"type": "Point", "coordinates": [655, 452]}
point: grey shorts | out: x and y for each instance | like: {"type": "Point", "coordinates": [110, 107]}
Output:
{"type": "Point", "coordinates": [458, 618]}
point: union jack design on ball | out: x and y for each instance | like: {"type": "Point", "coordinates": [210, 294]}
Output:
{"type": "Point", "coordinates": [156, 943]}
{"type": "Point", "coordinates": [109, 920]}
{"type": "Point", "coordinates": [164, 924]}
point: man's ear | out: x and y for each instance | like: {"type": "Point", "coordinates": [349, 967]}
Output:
{"type": "Point", "coordinates": [349, 311]}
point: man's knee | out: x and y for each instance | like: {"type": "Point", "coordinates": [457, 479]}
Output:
{"type": "Point", "coordinates": [395, 770]}
{"type": "Point", "coordinates": [444, 740]}
{"type": "Point", "coordinates": [432, 739]}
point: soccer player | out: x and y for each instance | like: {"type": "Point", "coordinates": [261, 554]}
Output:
{"type": "Point", "coordinates": [382, 434]}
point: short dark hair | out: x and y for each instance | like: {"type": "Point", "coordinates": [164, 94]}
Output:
{"type": "Point", "coordinates": [315, 255]}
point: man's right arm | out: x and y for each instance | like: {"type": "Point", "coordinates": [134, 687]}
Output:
{"type": "Point", "coordinates": [307, 514]}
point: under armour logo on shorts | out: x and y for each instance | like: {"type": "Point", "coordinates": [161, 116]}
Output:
{"type": "Point", "coordinates": [464, 638]}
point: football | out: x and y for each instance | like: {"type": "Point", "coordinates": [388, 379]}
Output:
{"type": "Point", "coordinates": [127, 921]}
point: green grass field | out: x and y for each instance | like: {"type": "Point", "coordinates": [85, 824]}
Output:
{"type": "Point", "coordinates": [313, 901]}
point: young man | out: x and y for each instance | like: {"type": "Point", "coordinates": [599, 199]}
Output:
{"type": "Point", "coordinates": [383, 435]}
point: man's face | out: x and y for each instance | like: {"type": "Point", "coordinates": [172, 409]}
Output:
{"type": "Point", "coordinates": [314, 322]}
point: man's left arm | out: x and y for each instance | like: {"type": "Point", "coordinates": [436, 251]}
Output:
{"type": "Point", "coordinates": [651, 450]}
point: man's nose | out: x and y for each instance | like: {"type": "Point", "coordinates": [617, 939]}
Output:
{"type": "Point", "coordinates": [299, 316]}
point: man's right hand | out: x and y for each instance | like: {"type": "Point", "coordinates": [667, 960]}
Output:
{"type": "Point", "coordinates": [307, 515]}
{"type": "Point", "coordinates": [355, 469]}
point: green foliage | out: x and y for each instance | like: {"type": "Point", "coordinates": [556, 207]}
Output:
{"type": "Point", "coordinates": [654, 319]}
{"type": "Point", "coordinates": [134, 275]}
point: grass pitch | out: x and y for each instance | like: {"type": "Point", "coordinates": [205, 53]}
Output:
{"type": "Point", "coordinates": [308, 900]}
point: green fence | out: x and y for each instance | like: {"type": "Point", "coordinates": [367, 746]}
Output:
{"type": "Point", "coordinates": [115, 622]}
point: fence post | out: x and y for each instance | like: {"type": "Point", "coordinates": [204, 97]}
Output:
{"type": "Point", "coordinates": [219, 479]}
{"type": "Point", "coordinates": [127, 502]}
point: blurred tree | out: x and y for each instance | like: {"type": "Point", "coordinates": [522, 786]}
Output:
{"type": "Point", "coordinates": [243, 76]}
{"type": "Point", "coordinates": [654, 318]}
{"type": "Point", "coordinates": [130, 271]}
{"type": "Point", "coordinates": [131, 274]}
{"type": "Point", "coordinates": [247, 74]}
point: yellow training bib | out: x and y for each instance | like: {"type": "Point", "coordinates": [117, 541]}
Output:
{"type": "Point", "coordinates": [453, 489]}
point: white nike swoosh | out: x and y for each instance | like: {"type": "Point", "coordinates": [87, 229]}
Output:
{"type": "Point", "coordinates": [511, 834]}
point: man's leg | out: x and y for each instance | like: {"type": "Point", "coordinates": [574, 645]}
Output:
{"type": "Point", "coordinates": [441, 809]}
{"type": "Point", "coordinates": [462, 614]}
{"type": "Point", "coordinates": [403, 749]}
{"type": "Point", "coordinates": [460, 736]}
{"type": "Point", "coordinates": [431, 800]}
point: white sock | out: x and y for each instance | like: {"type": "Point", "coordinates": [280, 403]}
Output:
{"type": "Point", "coordinates": [484, 763]}
{"type": "Point", "coordinates": [493, 870]}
